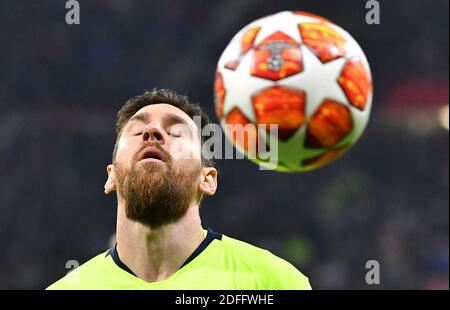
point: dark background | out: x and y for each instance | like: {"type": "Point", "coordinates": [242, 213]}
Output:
{"type": "Point", "coordinates": [61, 85]}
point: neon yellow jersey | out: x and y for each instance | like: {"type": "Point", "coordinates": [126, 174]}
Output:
{"type": "Point", "coordinates": [219, 263]}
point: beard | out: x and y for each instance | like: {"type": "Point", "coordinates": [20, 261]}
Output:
{"type": "Point", "coordinates": [157, 194]}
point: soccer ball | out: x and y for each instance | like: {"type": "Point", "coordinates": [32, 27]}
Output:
{"type": "Point", "coordinates": [303, 73]}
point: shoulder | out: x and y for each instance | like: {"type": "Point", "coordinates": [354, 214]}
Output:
{"type": "Point", "coordinates": [274, 272]}
{"type": "Point", "coordinates": [79, 277]}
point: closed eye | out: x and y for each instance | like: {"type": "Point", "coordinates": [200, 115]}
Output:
{"type": "Point", "coordinates": [175, 132]}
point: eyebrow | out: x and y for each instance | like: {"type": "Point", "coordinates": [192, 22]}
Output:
{"type": "Point", "coordinates": [170, 118]}
{"type": "Point", "coordinates": [175, 119]}
{"type": "Point", "coordinates": [142, 117]}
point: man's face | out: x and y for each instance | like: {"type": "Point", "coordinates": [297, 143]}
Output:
{"type": "Point", "coordinates": [158, 164]}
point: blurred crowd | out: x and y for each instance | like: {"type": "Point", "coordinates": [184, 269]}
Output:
{"type": "Point", "coordinates": [60, 87]}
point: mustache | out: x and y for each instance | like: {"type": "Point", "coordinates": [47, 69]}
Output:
{"type": "Point", "coordinates": [152, 144]}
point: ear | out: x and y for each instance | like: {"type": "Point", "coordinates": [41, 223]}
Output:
{"type": "Point", "coordinates": [208, 181]}
{"type": "Point", "coordinates": [110, 184]}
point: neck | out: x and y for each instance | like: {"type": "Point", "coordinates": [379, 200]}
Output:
{"type": "Point", "coordinates": [156, 254]}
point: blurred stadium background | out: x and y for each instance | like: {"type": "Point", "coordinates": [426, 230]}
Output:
{"type": "Point", "coordinates": [60, 87]}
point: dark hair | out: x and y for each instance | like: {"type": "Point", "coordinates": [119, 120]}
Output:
{"type": "Point", "coordinates": [161, 96]}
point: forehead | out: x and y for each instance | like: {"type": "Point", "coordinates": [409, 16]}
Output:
{"type": "Point", "coordinates": [163, 110]}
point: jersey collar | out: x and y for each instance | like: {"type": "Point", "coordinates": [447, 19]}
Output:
{"type": "Point", "coordinates": [210, 236]}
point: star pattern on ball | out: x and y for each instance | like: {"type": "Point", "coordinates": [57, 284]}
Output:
{"type": "Point", "coordinates": [238, 92]}
{"type": "Point", "coordinates": [281, 22]}
{"type": "Point", "coordinates": [318, 81]}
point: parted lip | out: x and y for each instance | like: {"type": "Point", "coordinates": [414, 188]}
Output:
{"type": "Point", "coordinates": [152, 152]}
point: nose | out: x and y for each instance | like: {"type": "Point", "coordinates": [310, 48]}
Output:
{"type": "Point", "coordinates": [153, 133]}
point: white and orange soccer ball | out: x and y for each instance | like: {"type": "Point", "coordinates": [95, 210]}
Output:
{"type": "Point", "coordinates": [304, 74]}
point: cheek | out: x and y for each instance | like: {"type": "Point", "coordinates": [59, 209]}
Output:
{"type": "Point", "coordinates": [186, 151]}
{"type": "Point", "coordinates": [125, 152]}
